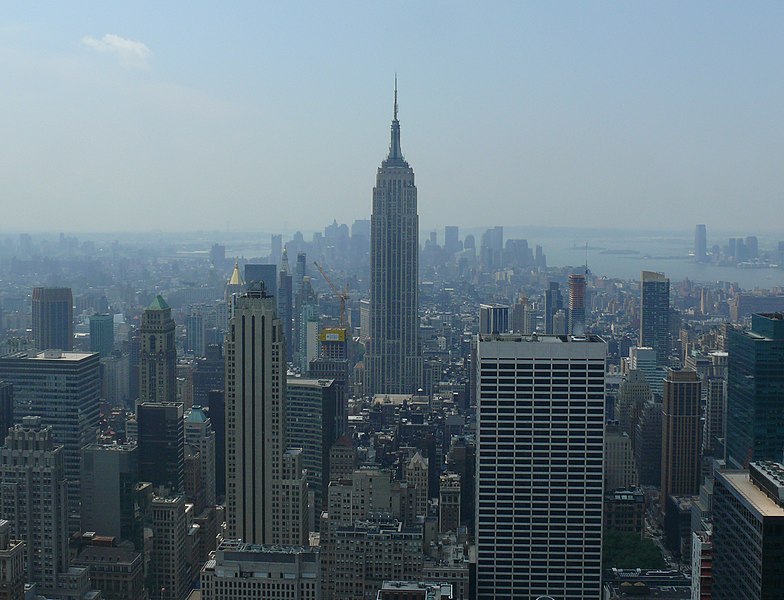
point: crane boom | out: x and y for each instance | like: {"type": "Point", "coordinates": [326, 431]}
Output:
{"type": "Point", "coordinates": [342, 296]}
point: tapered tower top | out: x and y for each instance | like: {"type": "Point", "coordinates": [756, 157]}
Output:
{"type": "Point", "coordinates": [395, 157]}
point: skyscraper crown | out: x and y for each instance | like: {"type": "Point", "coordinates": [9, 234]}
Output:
{"type": "Point", "coordinates": [395, 157]}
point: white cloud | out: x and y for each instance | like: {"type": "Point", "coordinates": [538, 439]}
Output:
{"type": "Point", "coordinates": [131, 54]}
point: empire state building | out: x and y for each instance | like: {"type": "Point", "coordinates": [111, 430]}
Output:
{"type": "Point", "coordinates": [394, 361]}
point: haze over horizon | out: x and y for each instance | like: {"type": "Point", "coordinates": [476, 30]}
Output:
{"type": "Point", "coordinates": [168, 117]}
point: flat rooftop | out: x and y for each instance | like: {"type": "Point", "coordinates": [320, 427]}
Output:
{"type": "Point", "coordinates": [541, 338]}
{"type": "Point", "coordinates": [757, 498]}
{"type": "Point", "coordinates": [392, 398]}
{"type": "Point", "coordinates": [61, 355]}
{"type": "Point", "coordinates": [304, 381]}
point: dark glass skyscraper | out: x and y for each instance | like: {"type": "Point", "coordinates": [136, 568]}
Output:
{"type": "Point", "coordinates": [394, 361]}
{"type": "Point", "coordinates": [748, 533]}
{"type": "Point", "coordinates": [700, 243]}
{"type": "Point", "coordinates": [655, 315]}
{"type": "Point", "coordinates": [162, 445]}
{"type": "Point", "coordinates": [6, 407]}
{"type": "Point", "coordinates": [110, 473]}
{"type": "Point", "coordinates": [553, 302]}
{"type": "Point", "coordinates": [755, 391]}
{"type": "Point", "coordinates": [102, 334]}
{"type": "Point", "coordinates": [53, 318]}
{"type": "Point", "coordinates": [266, 274]}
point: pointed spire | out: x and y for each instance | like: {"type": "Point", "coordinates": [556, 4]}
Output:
{"type": "Point", "coordinates": [395, 153]}
{"type": "Point", "coordinates": [158, 303]}
{"type": "Point", "coordinates": [236, 278]}
{"type": "Point", "coordinates": [395, 112]}
{"type": "Point", "coordinates": [284, 262]}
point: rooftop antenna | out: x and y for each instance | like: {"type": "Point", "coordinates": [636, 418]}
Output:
{"type": "Point", "coordinates": [395, 96]}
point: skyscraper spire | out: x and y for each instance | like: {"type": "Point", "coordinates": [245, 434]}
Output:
{"type": "Point", "coordinates": [394, 360]}
{"type": "Point", "coordinates": [395, 114]}
{"type": "Point", "coordinates": [284, 262]}
{"type": "Point", "coordinates": [395, 153]}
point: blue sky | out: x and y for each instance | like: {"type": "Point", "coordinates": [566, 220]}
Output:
{"type": "Point", "coordinates": [255, 116]}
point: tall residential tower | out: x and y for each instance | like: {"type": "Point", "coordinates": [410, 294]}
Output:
{"type": "Point", "coordinates": [394, 361]}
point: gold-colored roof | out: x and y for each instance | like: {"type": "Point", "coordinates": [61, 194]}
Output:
{"type": "Point", "coordinates": [236, 278]}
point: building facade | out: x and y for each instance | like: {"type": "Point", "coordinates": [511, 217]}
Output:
{"type": "Point", "coordinates": [266, 491]}
{"type": "Point", "coordinates": [200, 436]}
{"type": "Point", "coordinates": [241, 571]}
{"type": "Point", "coordinates": [110, 473]}
{"type": "Point", "coordinates": [700, 243]}
{"type": "Point", "coordinates": [655, 315]}
{"type": "Point", "coordinates": [63, 388]}
{"type": "Point", "coordinates": [540, 454]}
{"type": "Point", "coordinates": [161, 441]}
{"type": "Point", "coordinates": [12, 564]}
{"type": "Point", "coordinates": [53, 318]}
{"type": "Point", "coordinates": [681, 434]}
{"type": "Point", "coordinates": [34, 500]}
{"type": "Point", "coordinates": [313, 423]}
{"type": "Point", "coordinates": [577, 304]}
{"type": "Point", "coordinates": [748, 533]}
{"type": "Point", "coordinates": [102, 334]}
{"type": "Point", "coordinates": [553, 302]}
{"type": "Point", "coordinates": [370, 552]}
{"type": "Point", "coordinates": [493, 318]}
{"type": "Point", "coordinates": [394, 360]}
{"type": "Point", "coordinates": [755, 391]}
{"type": "Point", "coordinates": [620, 471]}
{"type": "Point", "coordinates": [169, 557]}
{"type": "Point", "coordinates": [158, 354]}
{"type": "Point", "coordinates": [449, 502]}
{"type": "Point", "coordinates": [6, 407]}
{"type": "Point", "coordinates": [117, 572]}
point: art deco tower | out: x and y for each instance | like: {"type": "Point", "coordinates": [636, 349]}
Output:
{"type": "Point", "coordinates": [266, 491]}
{"type": "Point", "coordinates": [394, 362]}
{"type": "Point", "coordinates": [158, 356]}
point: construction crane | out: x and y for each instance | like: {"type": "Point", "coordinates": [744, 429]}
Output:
{"type": "Point", "coordinates": [342, 296]}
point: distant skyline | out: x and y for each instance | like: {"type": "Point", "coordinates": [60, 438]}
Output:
{"type": "Point", "coordinates": [275, 117]}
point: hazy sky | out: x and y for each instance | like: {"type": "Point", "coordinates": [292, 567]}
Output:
{"type": "Point", "coordinates": [255, 116]}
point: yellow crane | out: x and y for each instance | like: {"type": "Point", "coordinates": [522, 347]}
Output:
{"type": "Point", "coordinates": [342, 296]}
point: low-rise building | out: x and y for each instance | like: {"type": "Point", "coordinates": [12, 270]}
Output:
{"type": "Point", "coordinates": [410, 590]}
{"type": "Point", "coordinates": [118, 572]}
{"type": "Point", "coordinates": [239, 571]}
{"type": "Point", "coordinates": [624, 511]}
{"type": "Point", "coordinates": [12, 564]}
